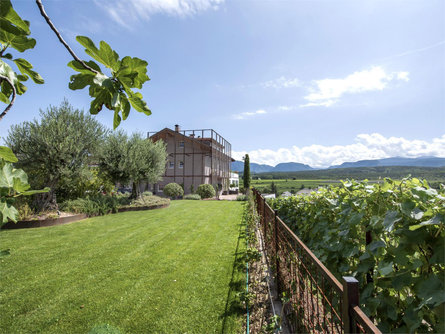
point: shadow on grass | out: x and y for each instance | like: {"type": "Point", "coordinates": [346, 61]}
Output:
{"type": "Point", "coordinates": [237, 283]}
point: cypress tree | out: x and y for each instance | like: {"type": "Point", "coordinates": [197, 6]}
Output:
{"type": "Point", "coordinates": [246, 174]}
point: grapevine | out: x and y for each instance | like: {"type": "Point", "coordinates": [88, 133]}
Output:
{"type": "Point", "coordinates": [390, 236]}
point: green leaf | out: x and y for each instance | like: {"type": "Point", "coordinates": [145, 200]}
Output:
{"type": "Point", "coordinates": [26, 68]}
{"type": "Point", "coordinates": [436, 220]}
{"type": "Point", "coordinates": [125, 106]}
{"type": "Point", "coordinates": [104, 55]}
{"type": "Point", "coordinates": [391, 218]}
{"type": "Point", "coordinates": [4, 98]}
{"type": "Point", "coordinates": [80, 81]}
{"type": "Point", "coordinates": [385, 268]}
{"type": "Point", "coordinates": [9, 14]}
{"type": "Point", "coordinates": [8, 212]}
{"type": "Point", "coordinates": [77, 66]}
{"type": "Point", "coordinates": [19, 42]}
{"type": "Point", "coordinates": [116, 120]}
{"type": "Point", "coordinates": [32, 192]}
{"type": "Point", "coordinates": [373, 246]}
{"type": "Point", "coordinates": [133, 72]}
{"type": "Point", "coordinates": [139, 104]}
{"type": "Point", "coordinates": [19, 186]}
{"type": "Point", "coordinates": [7, 154]}
{"type": "Point", "coordinates": [101, 98]}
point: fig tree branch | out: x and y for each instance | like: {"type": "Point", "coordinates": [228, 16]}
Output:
{"type": "Point", "coordinates": [13, 96]}
{"type": "Point", "coordinates": [53, 28]}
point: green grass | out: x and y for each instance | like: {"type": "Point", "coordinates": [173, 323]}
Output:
{"type": "Point", "coordinates": [163, 271]}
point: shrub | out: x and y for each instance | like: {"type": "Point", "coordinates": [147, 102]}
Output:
{"type": "Point", "coordinates": [241, 198]}
{"type": "Point", "coordinates": [95, 205]}
{"type": "Point", "coordinates": [147, 193]}
{"type": "Point", "coordinates": [192, 196]}
{"type": "Point", "coordinates": [173, 190]}
{"type": "Point", "coordinates": [206, 191]}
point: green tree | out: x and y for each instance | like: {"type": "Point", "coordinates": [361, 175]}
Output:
{"type": "Point", "coordinates": [115, 92]}
{"type": "Point", "coordinates": [56, 148]}
{"type": "Point", "coordinates": [132, 159]}
{"type": "Point", "coordinates": [146, 161]}
{"type": "Point", "coordinates": [246, 173]}
{"type": "Point", "coordinates": [273, 188]}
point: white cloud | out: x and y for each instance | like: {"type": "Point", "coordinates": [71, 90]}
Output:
{"type": "Point", "coordinates": [286, 108]}
{"type": "Point", "coordinates": [281, 82]}
{"type": "Point", "coordinates": [329, 91]}
{"type": "Point", "coordinates": [127, 12]}
{"type": "Point", "coordinates": [366, 146]}
{"type": "Point", "coordinates": [248, 114]}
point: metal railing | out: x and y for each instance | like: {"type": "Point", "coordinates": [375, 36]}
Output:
{"type": "Point", "coordinates": [314, 300]}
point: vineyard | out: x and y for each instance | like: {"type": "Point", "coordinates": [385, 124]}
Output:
{"type": "Point", "coordinates": [390, 237]}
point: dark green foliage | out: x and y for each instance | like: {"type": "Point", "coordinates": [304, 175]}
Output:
{"type": "Point", "coordinates": [195, 197]}
{"type": "Point", "coordinates": [173, 190]}
{"type": "Point", "coordinates": [405, 259]}
{"type": "Point", "coordinates": [95, 205]}
{"type": "Point", "coordinates": [273, 188]}
{"type": "Point", "coordinates": [241, 198]}
{"type": "Point", "coordinates": [206, 191]}
{"type": "Point", "coordinates": [246, 173]}
{"type": "Point", "coordinates": [55, 150]}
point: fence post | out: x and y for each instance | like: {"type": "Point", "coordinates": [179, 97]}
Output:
{"type": "Point", "coordinates": [350, 299]}
{"type": "Point", "coordinates": [277, 262]}
{"type": "Point", "coordinates": [264, 221]}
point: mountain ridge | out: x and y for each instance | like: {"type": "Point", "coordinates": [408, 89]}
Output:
{"type": "Point", "coordinates": [427, 161]}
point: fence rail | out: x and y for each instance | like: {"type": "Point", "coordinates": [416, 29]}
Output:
{"type": "Point", "coordinates": [315, 301]}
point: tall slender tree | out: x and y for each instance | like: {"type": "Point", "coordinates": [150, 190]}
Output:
{"type": "Point", "coordinates": [246, 174]}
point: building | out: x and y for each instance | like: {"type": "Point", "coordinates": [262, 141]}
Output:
{"type": "Point", "coordinates": [234, 182]}
{"type": "Point", "coordinates": [194, 157]}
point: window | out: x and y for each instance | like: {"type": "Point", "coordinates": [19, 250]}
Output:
{"type": "Point", "coordinates": [181, 144]}
{"type": "Point", "coordinates": [171, 165]}
{"type": "Point", "coordinates": [181, 164]}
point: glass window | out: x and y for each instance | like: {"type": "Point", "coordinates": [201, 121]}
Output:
{"type": "Point", "coordinates": [171, 165]}
{"type": "Point", "coordinates": [181, 144]}
{"type": "Point", "coordinates": [181, 164]}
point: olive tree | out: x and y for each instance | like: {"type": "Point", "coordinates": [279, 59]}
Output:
{"type": "Point", "coordinates": [132, 159]}
{"type": "Point", "coordinates": [56, 148]}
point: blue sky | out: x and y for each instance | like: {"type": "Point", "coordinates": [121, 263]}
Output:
{"type": "Point", "coordinates": [317, 82]}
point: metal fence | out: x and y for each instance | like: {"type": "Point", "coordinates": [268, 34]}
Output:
{"type": "Point", "coordinates": [314, 300]}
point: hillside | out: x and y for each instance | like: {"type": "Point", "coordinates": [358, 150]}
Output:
{"type": "Point", "coordinates": [238, 166]}
{"type": "Point", "coordinates": [396, 161]}
{"type": "Point", "coordinates": [360, 173]}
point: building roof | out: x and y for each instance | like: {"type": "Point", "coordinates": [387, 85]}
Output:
{"type": "Point", "coordinates": [198, 140]}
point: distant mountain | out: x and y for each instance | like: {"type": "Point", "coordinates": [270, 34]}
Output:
{"type": "Point", "coordinates": [291, 167]}
{"type": "Point", "coordinates": [397, 161]}
{"type": "Point", "coordinates": [238, 166]}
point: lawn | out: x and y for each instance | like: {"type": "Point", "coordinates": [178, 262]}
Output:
{"type": "Point", "coordinates": [161, 271]}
